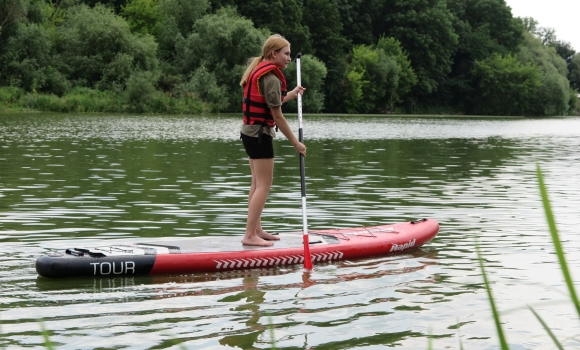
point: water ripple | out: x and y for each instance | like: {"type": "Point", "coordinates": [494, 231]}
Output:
{"type": "Point", "coordinates": [77, 180]}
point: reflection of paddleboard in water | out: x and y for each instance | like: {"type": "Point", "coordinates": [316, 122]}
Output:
{"type": "Point", "coordinates": [226, 253]}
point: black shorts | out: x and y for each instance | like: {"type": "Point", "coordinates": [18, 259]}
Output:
{"type": "Point", "coordinates": [257, 150]}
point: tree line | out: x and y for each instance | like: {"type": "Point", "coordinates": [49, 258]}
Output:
{"type": "Point", "coordinates": [359, 56]}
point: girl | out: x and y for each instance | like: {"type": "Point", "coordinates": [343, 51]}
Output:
{"type": "Point", "coordinates": [264, 92]}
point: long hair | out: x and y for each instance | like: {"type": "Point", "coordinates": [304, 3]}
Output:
{"type": "Point", "coordinates": [274, 43]}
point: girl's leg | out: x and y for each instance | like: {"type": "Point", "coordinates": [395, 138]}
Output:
{"type": "Point", "coordinates": [259, 230]}
{"type": "Point", "coordinates": [262, 174]}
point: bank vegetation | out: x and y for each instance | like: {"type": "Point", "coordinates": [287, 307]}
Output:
{"type": "Point", "coordinates": [372, 56]}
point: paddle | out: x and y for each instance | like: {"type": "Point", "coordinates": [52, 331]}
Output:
{"type": "Point", "coordinates": [307, 258]}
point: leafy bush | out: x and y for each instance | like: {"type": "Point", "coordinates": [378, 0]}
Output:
{"type": "Point", "coordinates": [573, 102]}
{"type": "Point", "coordinates": [221, 42]}
{"type": "Point", "coordinates": [552, 97]}
{"type": "Point", "coordinates": [313, 71]}
{"type": "Point", "coordinates": [371, 80]}
{"type": "Point", "coordinates": [203, 85]}
{"type": "Point", "coordinates": [98, 50]}
{"type": "Point", "coordinates": [574, 72]}
{"type": "Point", "coordinates": [406, 78]}
{"type": "Point", "coordinates": [27, 62]}
{"type": "Point", "coordinates": [140, 90]}
{"type": "Point", "coordinates": [175, 22]}
{"type": "Point", "coordinates": [10, 95]}
{"type": "Point", "coordinates": [504, 86]}
{"type": "Point", "coordinates": [141, 15]}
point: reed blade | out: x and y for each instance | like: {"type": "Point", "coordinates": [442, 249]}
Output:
{"type": "Point", "coordinates": [500, 333]}
{"type": "Point", "coordinates": [556, 239]}
{"type": "Point", "coordinates": [552, 335]}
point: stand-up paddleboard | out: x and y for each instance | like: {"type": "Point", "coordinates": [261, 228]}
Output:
{"type": "Point", "coordinates": [223, 253]}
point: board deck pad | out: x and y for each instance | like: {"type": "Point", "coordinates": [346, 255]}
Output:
{"type": "Point", "coordinates": [222, 253]}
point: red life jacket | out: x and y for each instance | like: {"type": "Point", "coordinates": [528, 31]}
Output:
{"type": "Point", "coordinates": [254, 105]}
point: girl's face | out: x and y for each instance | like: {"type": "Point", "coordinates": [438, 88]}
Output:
{"type": "Point", "coordinates": [281, 58]}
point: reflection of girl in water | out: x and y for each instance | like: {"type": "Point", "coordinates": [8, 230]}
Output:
{"type": "Point", "coordinates": [254, 298]}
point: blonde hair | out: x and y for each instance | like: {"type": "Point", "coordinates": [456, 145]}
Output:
{"type": "Point", "coordinates": [274, 43]}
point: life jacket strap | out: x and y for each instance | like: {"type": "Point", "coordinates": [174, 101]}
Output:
{"type": "Point", "coordinates": [254, 103]}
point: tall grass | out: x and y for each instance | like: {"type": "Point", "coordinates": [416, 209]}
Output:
{"type": "Point", "coordinates": [500, 333]}
{"type": "Point", "coordinates": [556, 240]}
{"type": "Point", "coordinates": [561, 260]}
{"type": "Point", "coordinates": [46, 336]}
{"type": "Point", "coordinates": [81, 100]}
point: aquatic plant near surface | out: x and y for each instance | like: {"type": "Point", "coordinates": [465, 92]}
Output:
{"type": "Point", "coordinates": [494, 311]}
{"type": "Point", "coordinates": [561, 260]}
{"type": "Point", "coordinates": [46, 336]}
{"type": "Point", "coordinates": [556, 240]}
{"type": "Point", "coordinates": [559, 253]}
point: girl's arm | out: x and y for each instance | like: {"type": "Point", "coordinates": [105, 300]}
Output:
{"type": "Point", "coordinates": [282, 124]}
{"type": "Point", "coordinates": [293, 94]}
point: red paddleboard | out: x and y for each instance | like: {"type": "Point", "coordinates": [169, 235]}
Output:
{"type": "Point", "coordinates": [223, 253]}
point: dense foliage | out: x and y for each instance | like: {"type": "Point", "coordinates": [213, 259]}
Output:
{"type": "Point", "coordinates": [371, 56]}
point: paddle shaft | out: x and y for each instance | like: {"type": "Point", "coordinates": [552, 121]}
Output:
{"type": "Point", "coordinates": [307, 257]}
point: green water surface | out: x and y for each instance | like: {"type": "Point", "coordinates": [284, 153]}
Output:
{"type": "Point", "coordinates": [67, 180]}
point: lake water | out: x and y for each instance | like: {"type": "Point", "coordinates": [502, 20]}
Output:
{"type": "Point", "coordinates": [67, 180]}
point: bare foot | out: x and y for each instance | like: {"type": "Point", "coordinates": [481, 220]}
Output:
{"type": "Point", "coordinates": [256, 241]}
{"type": "Point", "coordinates": [265, 235]}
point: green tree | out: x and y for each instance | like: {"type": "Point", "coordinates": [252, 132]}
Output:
{"type": "Point", "coordinates": [28, 60]}
{"type": "Point", "coordinates": [548, 37]}
{"type": "Point", "coordinates": [97, 49]}
{"type": "Point", "coordinates": [530, 24]}
{"type": "Point", "coordinates": [553, 95]}
{"type": "Point", "coordinates": [406, 77]}
{"type": "Point", "coordinates": [323, 20]}
{"type": "Point", "coordinates": [484, 27]}
{"type": "Point", "coordinates": [574, 102]}
{"type": "Point", "coordinates": [175, 22]}
{"type": "Point", "coordinates": [574, 74]}
{"type": "Point", "coordinates": [141, 15]}
{"type": "Point", "coordinates": [115, 5]}
{"type": "Point", "coordinates": [11, 12]}
{"type": "Point", "coordinates": [184, 12]}
{"type": "Point", "coordinates": [282, 17]}
{"type": "Point", "coordinates": [222, 43]}
{"type": "Point", "coordinates": [27, 47]}
{"type": "Point", "coordinates": [425, 29]}
{"type": "Point", "coordinates": [313, 72]}
{"type": "Point", "coordinates": [203, 85]}
{"type": "Point", "coordinates": [140, 90]}
{"type": "Point", "coordinates": [546, 34]}
{"type": "Point", "coordinates": [564, 49]}
{"type": "Point", "coordinates": [371, 78]}
{"type": "Point", "coordinates": [357, 20]}
{"type": "Point", "coordinates": [218, 4]}
{"type": "Point", "coordinates": [504, 86]}
{"type": "Point", "coordinates": [325, 25]}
